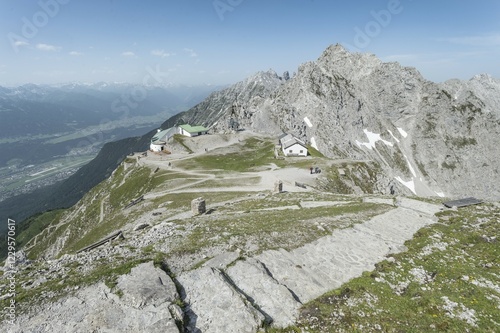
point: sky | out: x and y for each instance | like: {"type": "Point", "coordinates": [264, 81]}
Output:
{"type": "Point", "coordinates": [223, 41]}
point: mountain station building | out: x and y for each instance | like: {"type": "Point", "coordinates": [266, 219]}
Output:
{"type": "Point", "coordinates": [159, 140]}
{"type": "Point", "coordinates": [188, 130]}
{"type": "Point", "coordinates": [292, 146]}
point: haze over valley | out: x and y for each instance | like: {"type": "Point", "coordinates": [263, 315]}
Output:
{"type": "Point", "coordinates": [48, 132]}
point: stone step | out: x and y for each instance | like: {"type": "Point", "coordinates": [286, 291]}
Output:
{"type": "Point", "coordinates": [214, 305]}
{"type": "Point", "coordinates": [274, 299]}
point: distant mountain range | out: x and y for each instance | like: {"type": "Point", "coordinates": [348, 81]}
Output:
{"type": "Point", "coordinates": [424, 138]}
{"type": "Point", "coordinates": [60, 127]}
{"type": "Point", "coordinates": [48, 110]}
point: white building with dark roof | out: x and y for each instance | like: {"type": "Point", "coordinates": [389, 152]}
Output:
{"type": "Point", "coordinates": [292, 146]}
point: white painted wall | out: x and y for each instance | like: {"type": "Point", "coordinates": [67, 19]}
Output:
{"type": "Point", "coordinates": [186, 133]}
{"type": "Point", "coordinates": [183, 132]}
{"type": "Point", "coordinates": [295, 150]}
{"type": "Point", "coordinates": [156, 147]}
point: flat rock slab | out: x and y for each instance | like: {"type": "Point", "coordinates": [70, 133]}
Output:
{"type": "Point", "coordinates": [222, 260]}
{"type": "Point", "coordinates": [96, 309]}
{"type": "Point", "coordinates": [274, 299]}
{"type": "Point", "coordinates": [214, 305]}
{"type": "Point", "coordinates": [315, 268]}
{"type": "Point", "coordinates": [396, 226]}
{"type": "Point", "coordinates": [421, 206]}
{"type": "Point", "coordinates": [147, 285]}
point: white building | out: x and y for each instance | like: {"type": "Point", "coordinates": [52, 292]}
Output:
{"type": "Point", "coordinates": [292, 146]}
{"type": "Point", "coordinates": [159, 140]}
{"type": "Point", "coordinates": [188, 130]}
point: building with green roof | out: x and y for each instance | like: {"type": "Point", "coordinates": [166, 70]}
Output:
{"type": "Point", "coordinates": [189, 130]}
{"type": "Point", "coordinates": [159, 140]}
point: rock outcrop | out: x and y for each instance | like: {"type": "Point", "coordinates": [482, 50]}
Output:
{"type": "Point", "coordinates": [148, 294]}
{"type": "Point", "coordinates": [270, 288]}
{"type": "Point", "coordinates": [233, 108]}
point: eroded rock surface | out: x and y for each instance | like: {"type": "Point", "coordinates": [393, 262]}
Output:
{"type": "Point", "coordinates": [144, 307]}
{"type": "Point", "coordinates": [272, 286]}
{"type": "Point", "coordinates": [214, 305]}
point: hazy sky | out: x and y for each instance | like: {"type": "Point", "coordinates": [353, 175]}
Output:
{"type": "Point", "coordinates": [223, 41]}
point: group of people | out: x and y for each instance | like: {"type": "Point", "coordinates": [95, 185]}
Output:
{"type": "Point", "coordinates": [314, 170]}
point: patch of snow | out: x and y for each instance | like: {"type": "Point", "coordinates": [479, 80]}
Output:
{"type": "Point", "coordinates": [308, 122]}
{"type": "Point", "coordinates": [410, 166]}
{"type": "Point", "coordinates": [410, 184]}
{"type": "Point", "coordinates": [402, 132]}
{"type": "Point", "coordinates": [372, 139]}
{"type": "Point", "coordinates": [397, 140]}
{"type": "Point", "coordinates": [313, 143]}
{"type": "Point", "coordinates": [440, 194]}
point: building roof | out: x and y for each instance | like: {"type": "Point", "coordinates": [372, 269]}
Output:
{"type": "Point", "coordinates": [163, 136]}
{"type": "Point", "coordinates": [193, 129]}
{"type": "Point", "coordinates": [462, 202]}
{"type": "Point", "coordinates": [289, 140]}
{"type": "Point", "coordinates": [283, 135]}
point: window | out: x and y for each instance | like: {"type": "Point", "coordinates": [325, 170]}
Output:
{"type": "Point", "coordinates": [301, 151]}
{"type": "Point", "coordinates": [290, 151]}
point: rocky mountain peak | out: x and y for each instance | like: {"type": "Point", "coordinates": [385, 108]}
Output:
{"type": "Point", "coordinates": [427, 139]}
{"type": "Point", "coordinates": [481, 90]}
{"type": "Point", "coordinates": [352, 66]}
{"type": "Point", "coordinates": [485, 78]}
{"type": "Point", "coordinates": [231, 108]}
